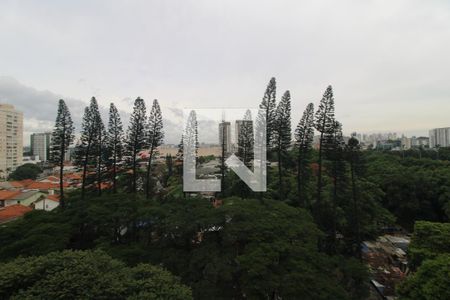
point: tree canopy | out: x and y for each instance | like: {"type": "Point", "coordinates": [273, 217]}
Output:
{"type": "Point", "coordinates": [26, 171]}
{"type": "Point", "coordinates": [86, 275]}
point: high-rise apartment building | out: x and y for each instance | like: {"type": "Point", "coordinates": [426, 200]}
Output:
{"type": "Point", "coordinates": [440, 137]}
{"type": "Point", "coordinates": [225, 136]}
{"type": "Point", "coordinates": [11, 139]}
{"type": "Point", "coordinates": [40, 145]}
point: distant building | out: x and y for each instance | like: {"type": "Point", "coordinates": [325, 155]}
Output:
{"type": "Point", "coordinates": [11, 139]}
{"type": "Point", "coordinates": [40, 145]}
{"type": "Point", "coordinates": [406, 143]}
{"type": "Point", "coordinates": [440, 137]}
{"type": "Point", "coordinates": [48, 203]}
{"type": "Point", "coordinates": [225, 136]}
{"type": "Point", "coordinates": [421, 141]}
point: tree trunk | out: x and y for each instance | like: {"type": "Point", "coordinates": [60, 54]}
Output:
{"type": "Point", "coordinates": [99, 165]}
{"type": "Point", "coordinates": [319, 171]}
{"type": "Point", "coordinates": [133, 183]}
{"type": "Point", "coordinates": [280, 180]}
{"type": "Point", "coordinates": [301, 201]}
{"type": "Point", "coordinates": [355, 209]}
{"type": "Point", "coordinates": [114, 172]}
{"type": "Point", "coordinates": [61, 173]}
{"type": "Point", "coordinates": [85, 163]}
{"type": "Point", "coordinates": [334, 228]}
{"type": "Point", "coordinates": [149, 168]}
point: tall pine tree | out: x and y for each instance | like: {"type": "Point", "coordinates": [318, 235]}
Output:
{"type": "Point", "coordinates": [353, 155]}
{"type": "Point", "coordinates": [269, 104]}
{"type": "Point", "coordinates": [190, 142]}
{"type": "Point", "coordinates": [334, 146]}
{"type": "Point", "coordinates": [324, 122]}
{"type": "Point", "coordinates": [282, 136]}
{"type": "Point", "coordinates": [246, 139]}
{"type": "Point", "coordinates": [100, 145]}
{"type": "Point", "coordinates": [136, 137]}
{"type": "Point", "coordinates": [155, 138]}
{"type": "Point", "coordinates": [87, 148]}
{"type": "Point", "coordinates": [114, 142]}
{"type": "Point", "coordinates": [179, 157]}
{"type": "Point", "coordinates": [304, 135]}
{"type": "Point", "coordinates": [62, 137]}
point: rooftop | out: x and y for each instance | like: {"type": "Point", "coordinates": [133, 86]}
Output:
{"type": "Point", "coordinates": [12, 212]}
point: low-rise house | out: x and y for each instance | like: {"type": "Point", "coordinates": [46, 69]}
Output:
{"type": "Point", "coordinates": [51, 179]}
{"type": "Point", "coordinates": [6, 196]}
{"type": "Point", "coordinates": [24, 197]}
{"type": "Point", "coordinates": [13, 212]}
{"type": "Point", "coordinates": [48, 203]}
{"type": "Point", "coordinates": [15, 185]}
{"type": "Point", "coordinates": [45, 186]}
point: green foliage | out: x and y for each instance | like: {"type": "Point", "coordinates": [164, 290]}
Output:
{"type": "Point", "coordinates": [429, 240]}
{"type": "Point", "coordinates": [136, 137]}
{"type": "Point", "coordinates": [430, 282]}
{"type": "Point", "coordinates": [414, 189]}
{"type": "Point", "coordinates": [114, 142]}
{"type": "Point", "coordinates": [38, 233]}
{"type": "Point", "coordinates": [244, 247]}
{"type": "Point", "coordinates": [205, 159]}
{"type": "Point", "coordinates": [155, 137]}
{"type": "Point", "coordinates": [26, 171]}
{"type": "Point", "coordinates": [304, 135]}
{"type": "Point", "coordinates": [246, 139]}
{"type": "Point", "coordinates": [268, 103]}
{"type": "Point", "coordinates": [86, 275]}
{"type": "Point", "coordinates": [251, 247]}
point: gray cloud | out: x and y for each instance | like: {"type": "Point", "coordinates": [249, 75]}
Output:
{"type": "Point", "coordinates": [40, 107]}
{"type": "Point", "coordinates": [387, 60]}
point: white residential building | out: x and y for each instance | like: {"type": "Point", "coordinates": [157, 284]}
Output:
{"type": "Point", "coordinates": [40, 145]}
{"type": "Point", "coordinates": [11, 139]}
{"type": "Point", "coordinates": [440, 137]}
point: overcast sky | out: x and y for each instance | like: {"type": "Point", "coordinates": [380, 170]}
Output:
{"type": "Point", "coordinates": [388, 61]}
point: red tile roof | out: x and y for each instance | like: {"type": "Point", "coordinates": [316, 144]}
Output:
{"type": "Point", "coordinates": [45, 185]}
{"type": "Point", "coordinates": [21, 184]}
{"type": "Point", "coordinates": [6, 195]}
{"type": "Point", "coordinates": [105, 185]}
{"type": "Point", "coordinates": [73, 176]}
{"type": "Point", "coordinates": [12, 212]}
{"type": "Point", "coordinates": [53, 178]}
{"type": "Point", "coordinates": [53, 197]}
{"type": "Point", "coordinates": [16, 184]}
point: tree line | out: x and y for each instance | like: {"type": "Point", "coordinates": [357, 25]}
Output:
{"type": "Point", "coordinates": [101, 148]}
{"type": "Point", "coordinates": [336, 165]}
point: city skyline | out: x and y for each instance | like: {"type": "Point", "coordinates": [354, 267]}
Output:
{"type": "Point", "coordinates": [387, 62]}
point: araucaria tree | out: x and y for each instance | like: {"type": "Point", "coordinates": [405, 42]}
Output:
{"type": "Point", "coordinates": [324, 122]}
{"type": "Point", "coordinates": [334, 147]}
{"type": "Point", "coordinates": [155, 138]}
{"type": "Point", "coordinates": [114, 142]}
{"type": "Point", "coordinates": [282, 136]}
{"type": "Point", "coordinates": [100, 146]}
{"type": "Point", "coordinates": [136, 137]}
{"type": "Point", "coordinates": [269, 104]}
{"type": "Point", "coordinates": [246, 139]}
{"type": "Point", "coordinates": [62, 137]}
{"type": "Point", "coordinates": [88, 149]}
{"type": "Point", "coordinates": [304, 134]}
{"type": "Point", "coordinates": [353, 153]}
